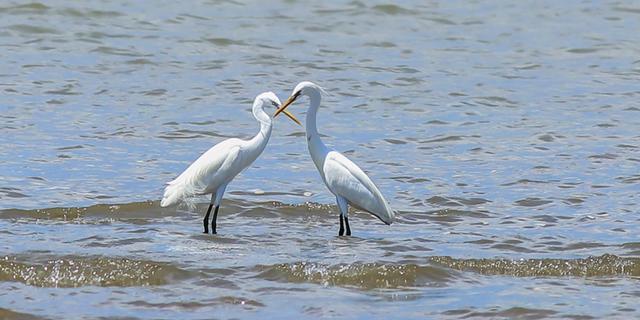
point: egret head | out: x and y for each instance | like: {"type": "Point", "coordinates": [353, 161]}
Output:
{"type": "Point", "coordinates": [304, 88]}
{"type": "Point", "coordinates": [307, 88]}
{"type": "Point", "coordinates": [269, 99]}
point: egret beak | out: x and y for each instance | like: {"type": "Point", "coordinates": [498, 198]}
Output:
{"type": "Point", "coordinates": [290, 115]}
{"type": "Point", "coordinates": [289, 101]}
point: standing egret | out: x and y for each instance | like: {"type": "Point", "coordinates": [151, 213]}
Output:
{"type": "Point", "coordinates": [344, 178]}
{"type": "Point", "coordinates": [214, 169]}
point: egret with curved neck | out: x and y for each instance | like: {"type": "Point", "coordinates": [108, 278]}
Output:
{"type": "Point", "coordinates": [343, 178]}
{"type": "Point", "coordinates": [213, 170]}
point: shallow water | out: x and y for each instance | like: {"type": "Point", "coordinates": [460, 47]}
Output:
{"type": "Point", "coordinates": [505, 134]}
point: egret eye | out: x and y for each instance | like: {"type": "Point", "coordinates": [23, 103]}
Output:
{"type": "Point", "coordinates": [275, 104]}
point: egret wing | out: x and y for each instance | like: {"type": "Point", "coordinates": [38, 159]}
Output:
{"type": "Point", "coordinates": [346, 179]}
{"type": "Point", "coordinates": [201, 176]}
{"type": "Point", "coordinates": [223, 171]}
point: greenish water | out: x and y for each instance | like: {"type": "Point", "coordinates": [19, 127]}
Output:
{"type": "Point", "coordinates": [504, 133]}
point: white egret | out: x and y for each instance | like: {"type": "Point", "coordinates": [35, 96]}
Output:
{"type": "Point", "coordinates": [213, 170]}
{"type": "Point", "coordinates": [344, 178]}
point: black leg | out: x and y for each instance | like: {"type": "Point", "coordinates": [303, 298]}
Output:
{"type": "Point", "coordinates": [213, 222]}
{"type": "Point", "coordinates": [206, 219]}
{"type": "Point", "coordinates": [346, 221]}
{"type": "Point", "coordinates": [341, 232]}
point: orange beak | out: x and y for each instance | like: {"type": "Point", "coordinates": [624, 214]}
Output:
{"type": "Point", "coordinates": [286, 104]}
{"type": "Point", "coordinates": [291, 116]}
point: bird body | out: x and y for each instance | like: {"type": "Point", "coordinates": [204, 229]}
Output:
{"type": "Point", "coordinates": [342, 177]}
{"type": "Point", "coordinates": [345, 179]}
{"type": "Point", "coordinates": [214, 170]}
{"type": "Point", "coordinates": [204, 176]}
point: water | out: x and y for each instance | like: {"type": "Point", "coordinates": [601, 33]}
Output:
{"type": "Point", "coordinates": [504, 133]}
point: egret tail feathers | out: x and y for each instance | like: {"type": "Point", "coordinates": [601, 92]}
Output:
{"type": "Point", "coordinates": [177, 191]}
{"type": "Point", "coordinates": [390, 215]}
{"type": "Point", "coordinates": [386, 214]}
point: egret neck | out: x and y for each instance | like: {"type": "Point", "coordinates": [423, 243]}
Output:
{"type": "Point", "coordinates": [259, 141]}
{"type": "Point", "coordinates": [317, 148]}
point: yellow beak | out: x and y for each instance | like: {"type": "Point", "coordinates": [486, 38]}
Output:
{"type": "Point", "coordinates": [290, 115]}
{"type": "Point", "coordinates": [288, 102]}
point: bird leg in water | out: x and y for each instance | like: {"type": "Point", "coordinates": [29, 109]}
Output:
{"type": "Point", "coordinates": [346, 221]}
{"type": "Point", "coordinates": [206, 220]}
{"type": "Point", "coordinates": [341, 231]}
{"type": "Point", "coordinates": [215, 218]}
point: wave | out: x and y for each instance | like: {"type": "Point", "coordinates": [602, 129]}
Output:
{"type": "Point", "coordinates": [598, 266]}
{"type": "Point", "coordinates": [362, 275]}
{"type": "Point", "coordinates": [439, 270]}
{"type": "Point", "coordinates": [76, 271]}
